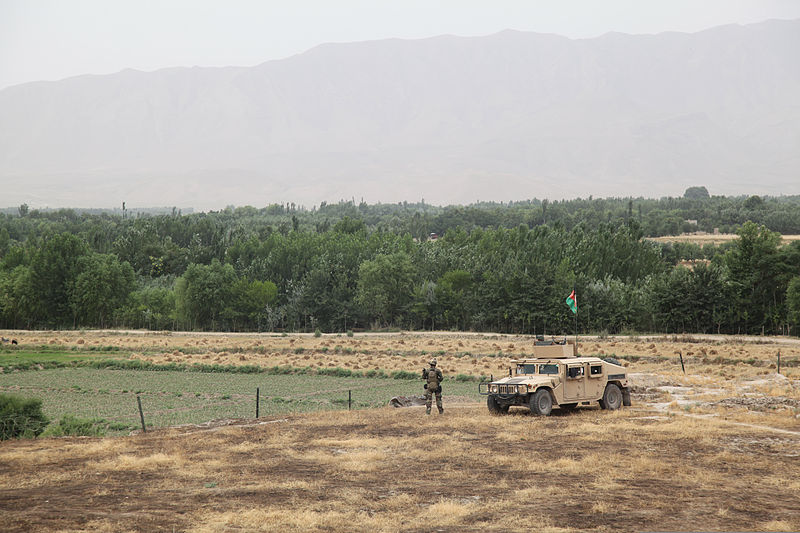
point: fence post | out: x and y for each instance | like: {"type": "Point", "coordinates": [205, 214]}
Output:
{"type": "Point", "coordinates": [141, 413]}
{"type": "Point", "coordinates": [257, 396]}
{"type": "Point", "coordinates": [349, 399]}
{"type": "Point", "coordinates": [779, 361]}
{"type": "Point", "coordinates": [682, 367]}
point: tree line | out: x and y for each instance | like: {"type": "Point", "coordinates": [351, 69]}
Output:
{"type": "Point", "coordinates": [496, 267]}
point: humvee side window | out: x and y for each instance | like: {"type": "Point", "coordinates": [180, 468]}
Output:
{"type": "Point", "coordinates": [575, 372]}
{"type": "Point", "coordinates": [548, 369]}
{"type": "Point", "coordinates": [596, 370]}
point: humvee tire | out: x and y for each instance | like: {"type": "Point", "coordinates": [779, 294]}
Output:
{"type": "Point", "coordinates": [612, 398]}
{"type": "Point", "coordinates": [494, 407]}
{"type": "Point", "coordinates": [541, 402]}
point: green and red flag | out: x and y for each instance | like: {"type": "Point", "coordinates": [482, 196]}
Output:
{"type": "Point", "coordinates": [572, 302]}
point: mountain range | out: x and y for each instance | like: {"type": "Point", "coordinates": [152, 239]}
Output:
{"type": "Point", "coordinates": [451, 120]}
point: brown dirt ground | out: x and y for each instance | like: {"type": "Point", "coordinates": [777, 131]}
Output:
{"type": "Point", "coordinates": [398, 470]}
{"type": "Point", "coordinates": [714, 449]}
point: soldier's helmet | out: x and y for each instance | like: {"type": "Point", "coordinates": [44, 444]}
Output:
{"type": "Point", "coordinates": [433, 362]}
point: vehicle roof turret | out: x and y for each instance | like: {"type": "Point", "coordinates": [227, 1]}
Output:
{"type": "Point", "coordinates": [543, 349]}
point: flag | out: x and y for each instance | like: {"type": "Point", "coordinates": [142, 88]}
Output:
{"type": "Point", "coordinates": [572, 302]}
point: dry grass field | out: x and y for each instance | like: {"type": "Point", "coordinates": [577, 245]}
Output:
{"type": "Point", "coordinates": [457, 353]}
{"type": "Point", "coordinates": [715, 449]}
{"type": "Point", "coordinates": [712, 238]}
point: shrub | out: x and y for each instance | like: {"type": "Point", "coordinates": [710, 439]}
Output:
{"type": "Point", "coordinates": [21, 417]}
{"type": "Point", "coordinates": [349, 332]}
{"type": "Point", "coordinates": [82, 427]}
{"type": "Point", "coordinates": [317, 333]}
{"type": "Point", "coordinates": [403, 374]}
{"type": "Point", "coordinates": [335, 371]}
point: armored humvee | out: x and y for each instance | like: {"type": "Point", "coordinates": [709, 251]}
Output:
{"type": "Point", "coordinates": [557, 377]}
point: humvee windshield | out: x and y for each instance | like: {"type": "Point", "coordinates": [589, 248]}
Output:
{"type": "Point", "coordinates": [548, 369]}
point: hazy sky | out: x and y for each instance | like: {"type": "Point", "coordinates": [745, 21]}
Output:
{"type": "Point", "coordinates": [54, 39]}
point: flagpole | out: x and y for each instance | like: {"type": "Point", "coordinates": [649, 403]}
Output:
{"type": "Point", "coordinates": [576, 320]}
{"type": "Point", "coordinates": [572, 302]}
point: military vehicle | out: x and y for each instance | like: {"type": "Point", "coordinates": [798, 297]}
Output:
{"type": "Point", "coordinates": [557, 377]}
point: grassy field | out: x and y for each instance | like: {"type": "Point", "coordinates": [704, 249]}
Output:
{"type": "Point", "coordinates": [715, 448]}
{"type": "Point", "coordinates": [173, 398]}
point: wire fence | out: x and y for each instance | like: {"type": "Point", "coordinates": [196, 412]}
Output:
{"type": "Point", "coordinates": [178, 398]}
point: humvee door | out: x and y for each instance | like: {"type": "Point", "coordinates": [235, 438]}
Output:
{"type": "Point", "coordinates": [575, 382]}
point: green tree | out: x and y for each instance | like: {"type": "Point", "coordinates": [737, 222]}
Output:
{"type": "Point", "coordinates": [203, 293]}
{"type": "Point", "coordinates": [670, 304]}
{"type": "Point", "coordinates": [152, 305]}
{"type": "Point", "coordinates": [453, 296]}
{"type": "Point", "coordinates": [17, 301]}
{"type": "Point", "coordinates": [696, 193]}
{"type": "Point", "coordinates": [754, 267]}
{"type": "Point", "coordinates": [53, 271]}
{"type": "Point", "coordinates": [793, 301]}
{"type": "Point", "coordinates": [423, 307]}
{"type": "Point", "coordinates": [102, 286]}
{"type": "Point", "coordinates": [5, 242]}
{"type": "Point", "coordinates": [251, 302]}
{"type": "Point", "coordinates": [386, 287]}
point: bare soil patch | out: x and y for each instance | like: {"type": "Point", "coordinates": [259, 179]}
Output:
{"type": "Point", "coordinates": [398, 470]}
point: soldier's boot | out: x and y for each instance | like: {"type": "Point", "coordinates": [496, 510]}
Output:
{"type": "Point", "coordinates": [441, 410]}
{"type": "Point", "coordinates": [428, 411]}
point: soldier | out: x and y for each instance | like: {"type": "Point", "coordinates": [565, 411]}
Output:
{"type": "Point", "coordinates": [433, 377]}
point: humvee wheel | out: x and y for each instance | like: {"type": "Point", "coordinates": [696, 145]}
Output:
{"type": "Point", "coordinates": [494, 407]}
{"type": "Point", "coordinates": [541, 402]}
{"type": "Point", "coordinates": [612, 398]}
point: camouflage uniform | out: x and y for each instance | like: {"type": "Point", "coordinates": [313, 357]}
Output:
{"type": "Point", "coordinates": [433, 378]}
